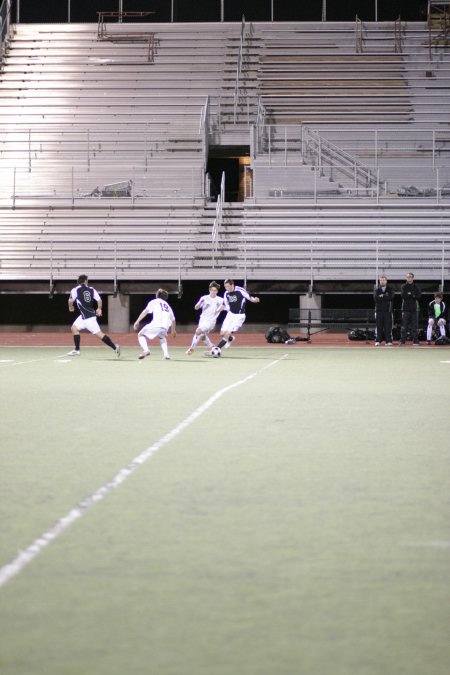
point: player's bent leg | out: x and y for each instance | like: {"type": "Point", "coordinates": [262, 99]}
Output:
{"type": "Point", "coordinates": [224, 338]}
{"type": "Point", "coordinates": [144, 346]}
{"type": "Point", "coordinates": [231, 339]}
{"type": "Point", "coordinates": [208, 342]}
{"type": "Point", "coordinates": [165, 350]}
{"type": "Point", "coordinates": [163, 342]}
{"type": "Point", "coordinates": [108, 342]}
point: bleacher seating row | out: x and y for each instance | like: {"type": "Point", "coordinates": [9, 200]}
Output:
{"type": "Point", "coordinates": [258, 241]}
{"type": "Point", "coordinates": [79, 116]}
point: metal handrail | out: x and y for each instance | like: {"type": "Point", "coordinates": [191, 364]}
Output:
{"type": "Point", "coordinates": [439, 12]}
{"type": "Point", "coordinates": [239, 68]}
{"type": "Point", "coordinates": [374, 141]}
{"type": "Point", "coordinates": [204, 131]}
{"type": "Point", "coordinates": [101, 29]}
{"type": "Point", "coordinates": [322, 150]}
{"type": "Point", "coordinates": [358, 35]}
{"type": "Point", "coordinates": [259, 127]}
{"type": "Point", "coordinates": [338, 159]}
{"type": "Point", "coordinates": [398, 31]}
{"type": "Point", "coordinates": [5, 18]}
{"type": "Point", "coordinates": [146, 36]}
{"type": "Point", "coordinates": [219, 212]}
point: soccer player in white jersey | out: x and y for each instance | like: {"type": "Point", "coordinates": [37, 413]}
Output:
{"type": "Point", "coordinates": [162, 322]}
{"type": "Point", "coordinates": [89, 304]}
{"type": "Point", "coordinates": [234, 300]}
{"type": "Point", "coordinates": [211, 306]}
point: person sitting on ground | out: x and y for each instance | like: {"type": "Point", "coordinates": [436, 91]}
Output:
{"type": "Point", "coordinates": [437, 315]}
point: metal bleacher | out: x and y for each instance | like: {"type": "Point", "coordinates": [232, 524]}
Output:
{"type": "Point", "coordinates": [351, 154]}
{"type": "Point", "coordinates": [104, 149]}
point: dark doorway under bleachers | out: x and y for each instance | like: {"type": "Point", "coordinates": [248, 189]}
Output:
{"type": "Point", "coordinates": [231, 160]}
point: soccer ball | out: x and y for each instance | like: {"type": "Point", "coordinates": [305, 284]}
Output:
{"type": "Point", "coordinates": [215, 352]}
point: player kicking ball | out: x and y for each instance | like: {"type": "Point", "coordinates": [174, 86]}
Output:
{"type": "Point", "coordinates": [234, 300]}
{"type": "Point", "coordinates": [211, 306]}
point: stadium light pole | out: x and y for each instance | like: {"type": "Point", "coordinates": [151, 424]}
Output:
{"type": "Point", "coordinates": [376, 10]}
{"type": "Point", "coordinates": [324, 10]}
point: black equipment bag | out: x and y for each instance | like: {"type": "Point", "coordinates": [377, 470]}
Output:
{"type": "Point", "coordinates": [442, 340]}
{"type": "Point", "coordinates": [277, 334]}
{"type": "Point", "coordinates": [361, 334]}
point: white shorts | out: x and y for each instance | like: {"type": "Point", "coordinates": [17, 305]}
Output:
{"type": "Point", "coordinates": [207, 326]}
{"type": "Point", "coordinates": [232, 322]}
{"type": "Point", "coordinates": [151, 331]}
{"type": "Point", "coordinates": [87, 324]}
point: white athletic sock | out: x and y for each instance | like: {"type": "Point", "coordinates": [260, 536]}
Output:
{"type": "Point", "coordinates": [442, 329]}
{"type": "Point", "coordinates": [195, 340]}
{"type": "Point", "coordinates": [163, 342]}
{"type": "Point", "coordinates": [208, 342]}
{"type": "Point", "coordinates": [143, 343]}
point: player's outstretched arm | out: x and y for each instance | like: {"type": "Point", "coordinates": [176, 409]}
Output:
{"type": "Point", "coordinates": [141, 316]}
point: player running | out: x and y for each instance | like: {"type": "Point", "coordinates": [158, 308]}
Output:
{"type": "Point", "coordinates": [89, 304]}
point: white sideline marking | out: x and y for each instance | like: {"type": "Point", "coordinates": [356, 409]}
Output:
{"type": "Point", "coordinates": [13, 568]}
{"type": "Point", "coordinates": [21, 363]}
{"type": "Point", "coordinates": [441, 544]}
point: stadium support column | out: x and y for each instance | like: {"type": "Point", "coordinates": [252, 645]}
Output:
{"type": "Point", "coordinates": [119, 313]}
{"type": "Point", "coordinates": [311, 301]}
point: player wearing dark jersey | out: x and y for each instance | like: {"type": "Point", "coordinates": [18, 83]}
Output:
{"type": "Point", "coordinates": [234, 300]}
{"type": "Point", "coordinates": [383, 296]}
{"type": "Point", "coordinates": [89, 304]}
{"type": "Point", "coordinates": [410, 293]}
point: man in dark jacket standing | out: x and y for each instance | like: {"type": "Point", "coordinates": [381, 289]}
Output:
{"type": "Point", "coordinates": [384, 297]}
{"type": "Point", "coordinates": [410, 309]}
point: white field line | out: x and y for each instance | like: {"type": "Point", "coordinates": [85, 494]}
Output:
{"type": "Point", "coordinates": [21, 363]}
{"type": "Point", "coordinates": [14, 568]}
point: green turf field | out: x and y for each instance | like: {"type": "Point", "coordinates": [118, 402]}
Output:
{"type": "Point", "coordinates": [297, 523]}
